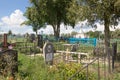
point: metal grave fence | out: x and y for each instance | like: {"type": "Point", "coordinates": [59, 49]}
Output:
{"type": "Point", "coordinates": [85, 41]}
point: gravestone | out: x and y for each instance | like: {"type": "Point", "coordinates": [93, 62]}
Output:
{"type": "Point", "coordinates": [74, 48]}
{"type": "Point", "coordinates": [32, 37]}
{"type": "Point", "coordinates": [8, 62]}
{"type": "Point", "coordinates": [48, 51]}
{"type": "Point", "coordinates": [40, 41]}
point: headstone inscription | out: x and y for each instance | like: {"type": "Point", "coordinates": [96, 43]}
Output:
{"type": "Point", "coordinates": [40, 41]}
{"type": "Point", "coordinates": [48, 51]}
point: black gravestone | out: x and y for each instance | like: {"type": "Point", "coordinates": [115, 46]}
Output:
{"type": "Point", "coordinates": [40, 41]}
{"type": "Point", "coordinates": [48, 51]}
{"type": "Point", "coordinates": [32, 37]}
{"type": "Point", "coordinates": [8, 61]}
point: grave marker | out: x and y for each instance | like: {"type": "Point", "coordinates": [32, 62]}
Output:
{"type": "Point", "coordinates": [32, 37]}
{"type": "Point", "coordinates": [48, 51]}
{"type": "Point", "coordinates": [40, 41]}
{"type": "Point", "coordinates": [8, 61]}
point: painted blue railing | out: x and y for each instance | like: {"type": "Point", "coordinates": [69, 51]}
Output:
{"type": "Point", "coordinates": [85, 41]}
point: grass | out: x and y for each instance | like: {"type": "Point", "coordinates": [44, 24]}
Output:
{"type": "Point", "coordinates": [34, 68]}
{"type": "Point", "coordinates": [31, 68]}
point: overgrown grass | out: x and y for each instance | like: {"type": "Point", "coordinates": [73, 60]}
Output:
{"type": "Point", "coordinates": [34, 68]}
{"type": "Point", "coordinates": [31, 68]}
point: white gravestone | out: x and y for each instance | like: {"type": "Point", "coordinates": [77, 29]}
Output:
{"type": "Point", "coordinates": [48, 52]}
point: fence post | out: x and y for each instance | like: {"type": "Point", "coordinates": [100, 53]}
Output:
{"type": "Point", "coordinates": [114, 54]}
{"type": "Point", "coordinates": [98, 69]}
{"type": "Point", "coordinates": [87, 73]}
{"type": "Point", "coordinates": [104, 67]}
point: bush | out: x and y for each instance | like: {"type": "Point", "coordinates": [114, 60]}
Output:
{"type": "Point", "coordinates": [63, 71]}
{"type": "Point", "coordinates": [35, 69]}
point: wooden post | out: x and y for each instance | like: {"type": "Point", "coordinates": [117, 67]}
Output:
{"type": "Point", "coordinates": [79, 58]}
{"type": "Point", "coordinates": [114, 54]}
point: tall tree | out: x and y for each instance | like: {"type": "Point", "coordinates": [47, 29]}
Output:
{"type": "Point", "coordinates": [105, 12]}
{"type": "Point", "coordinates": [55, 12]}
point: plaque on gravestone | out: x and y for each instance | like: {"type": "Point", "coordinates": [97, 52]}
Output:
{"type": "Point", "coordinates": [48, 51]}
{"type": "Point", "coordinates": [40, 41]}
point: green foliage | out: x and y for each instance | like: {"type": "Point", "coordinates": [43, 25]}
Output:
{"type": "Point", "coordinates": [51, 12]}
{"type": "Point", "coordinates": [34, 68]}
{"type": "Point", "coordinates": [34, 18]}
{"type": "Point", "coordinates": [115, 34]}
{"type": "Point", "coordinates": [67, 70]}
{"type": "Point", "coordinates": [95, 34]}
{"type": "Point", "coordinates": [103, 11]}
{"type": "Point", "coordinates": [31, 68]}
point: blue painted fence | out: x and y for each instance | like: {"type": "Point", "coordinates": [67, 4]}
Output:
{"type": "Point", "coordinates": [85, 41]}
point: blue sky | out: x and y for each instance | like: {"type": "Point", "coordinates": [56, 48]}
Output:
{"type": "Point", "coordinates": [11, 16]}
{"type": "Point", "coordinates": [8, 6]}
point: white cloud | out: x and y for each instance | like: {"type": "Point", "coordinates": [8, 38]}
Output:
{"type": "Point", "coordinates": [65, 29]}
{"type": "Point", "coordinates": [15, 19]}
{"type": "Point", "coordinates": [47, 30]}
{"type": "Point", "coordinates": [101, 27]}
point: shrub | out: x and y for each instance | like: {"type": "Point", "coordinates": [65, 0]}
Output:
{"type": "Point", "coordinates": [63, 71]}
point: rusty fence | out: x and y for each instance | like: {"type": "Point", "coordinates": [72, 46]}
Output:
{"type": "Point", "coordinates": [99, 64]}
{"type": "Point", "coordinates": [97, 67]}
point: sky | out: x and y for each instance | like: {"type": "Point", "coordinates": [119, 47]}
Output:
{"type": "Point", "coordinates": [11, 16]}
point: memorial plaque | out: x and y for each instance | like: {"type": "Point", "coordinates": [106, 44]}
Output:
{"type": "Point", "coordinates": [48, 51]}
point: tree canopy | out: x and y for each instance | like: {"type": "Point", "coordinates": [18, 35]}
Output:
{"type": "Point", "coordinates": [34, 18]}
{"type": "Point", "coordinates": [105, 12]}
{"type": "Point", "coordinates": [69, 12]}
{"type": "Point", "coordinates": [50, 12]}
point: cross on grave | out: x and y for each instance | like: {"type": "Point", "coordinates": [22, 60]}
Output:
{"type": "Point", "coordinates": [5, 45]}
{"type": "Point", "coordinates": [5, 41]}
{"type": "Point", "coordinates": [48, 52]}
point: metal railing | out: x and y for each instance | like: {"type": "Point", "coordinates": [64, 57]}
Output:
{"type": "Point", "coordinates": [86, 67]}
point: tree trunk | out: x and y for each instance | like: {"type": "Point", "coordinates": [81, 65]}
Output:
{"type": "Point", "coordinates": [107, 39]}
{"type": "Point", "coordinates": [36, 32]}
{"type": "Point", "coordinates": [107, 32]}
{"type": "Point", "coordinates": [56, 29]}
